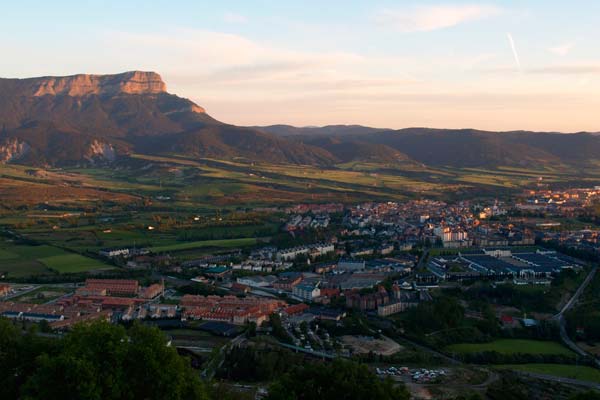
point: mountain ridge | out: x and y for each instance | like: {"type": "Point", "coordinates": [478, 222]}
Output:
{"type": "Point", "coordinates": [81, 119]}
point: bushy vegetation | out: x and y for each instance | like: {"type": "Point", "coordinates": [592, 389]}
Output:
{"type": "Point", "coordinates": [337, 380]}
{"type": "Point", "coordinates": [95, 361]}
{"type": "Point", "coordinates": [251, 364]}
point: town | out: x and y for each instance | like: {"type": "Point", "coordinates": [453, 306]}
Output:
{"type": "Point", "coordinates": [350, 282]}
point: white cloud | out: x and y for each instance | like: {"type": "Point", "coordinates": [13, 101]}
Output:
{"type": "Point", "coordinates": [514, 50]}
{"type": "Point", "coordinates": [433, 17]}
{"type": "Point", "coordinates": [562, 49]}
{"type": "Point", "coordinates": [233, 18]}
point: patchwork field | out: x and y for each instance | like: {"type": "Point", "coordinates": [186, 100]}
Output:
{"type": "Point", "coordinates": [209, 183]}
{"type": "Point", "coordinates": [511, 346]}
{"type": "Point", "coordinates": [17, 261]}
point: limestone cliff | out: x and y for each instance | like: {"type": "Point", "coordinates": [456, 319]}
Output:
{"type": "Point", "coordinates": [12, 150]}
{"type": "Point", "coordinates": [133, 82]}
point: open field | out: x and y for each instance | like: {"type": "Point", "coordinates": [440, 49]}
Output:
{"type": "Point", "coordinates": [19, 261]}
{"type": "Point", "coordinates": [511, 346]}
{"type": "Point", "coordinates": [580, 372]}
{"type": "Point", "coordinates": [225, 243]}
{"type": "Point", "coordinates": [365, 345]}
{"type": "Point", "coordinates": [73, 263]}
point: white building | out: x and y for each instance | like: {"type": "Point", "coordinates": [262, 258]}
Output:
{"type": "Point", "coordinates": [306, 292]}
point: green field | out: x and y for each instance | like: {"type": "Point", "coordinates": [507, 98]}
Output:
{"type": "Point", "coordinates": [580, 372]}
{"type": "Point", "coordinates": [73, 263]}
{"type": "Point", "coordinates": [511, 346]}
{"type": "Point", "coordinates": [18, 261]}
{"type": "Point", "coordinates": [225, 243]}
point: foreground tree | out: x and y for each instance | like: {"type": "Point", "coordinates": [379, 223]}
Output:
{"type": "Point", "coordinates": [338, 380]}
{"type": "Point", "coordinates": [96, 361]}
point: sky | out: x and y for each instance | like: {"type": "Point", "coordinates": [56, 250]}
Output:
{"type": "Point", "coordinates": [498, 65]}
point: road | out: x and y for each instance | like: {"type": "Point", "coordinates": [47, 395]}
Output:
{"type": "Point", "coordinates": [591, 385]}
{"type": "Point", "coordinates": [560, 317]}
{"type": "Point", "coordinates": [318, 354]}
{"type": "Point", "coordinates": [422, 261]}
{"type": "Point", "coordinates": [210, 371]}
{"type": "Point", "coordinates": [578, 293]}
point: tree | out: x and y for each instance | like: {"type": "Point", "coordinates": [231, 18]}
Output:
{"type": "Point", "coordinates": [589, 395]}
{"type": "Point", "coordinates": [103, 361]}
{"type": "Point", "coordinates": [339, 379]}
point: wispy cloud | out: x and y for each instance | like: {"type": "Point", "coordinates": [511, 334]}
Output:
{"type": "Point", "coordinates": [514, 50]}
{"type": "Point", "coordinates": [433, 17]}
{"type": "Point", "coordinates": [562, 49]}
{"type": "Point", "coordinates": [567, 69]}
{"type": "Point", "coordinates": [564, 69]}
{"type": "Point", "coordinates": [233, 18]}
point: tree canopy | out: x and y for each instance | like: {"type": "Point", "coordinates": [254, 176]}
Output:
{"type": "Point", "coordinates": [95, 361]}
{"type": "Point", "coordinates": [337, 380]}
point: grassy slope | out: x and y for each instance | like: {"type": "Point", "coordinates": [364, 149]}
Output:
{"type": "Point", "coordinates": [511, 346]}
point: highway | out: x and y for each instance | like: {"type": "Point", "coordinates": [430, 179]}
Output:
{"type": "Point", "coordinates": [560, 317]}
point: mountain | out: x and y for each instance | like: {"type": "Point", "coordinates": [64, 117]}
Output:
{"type": "Point", "coordinates": [288, 130]}
{"type": "Point", "coordinates": [90, 119]}
{"type": "Point", "coordinates": [98, 118]}
{"type": "Point", "coordinates": [449, 147]}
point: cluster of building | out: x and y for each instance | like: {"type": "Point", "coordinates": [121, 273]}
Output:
{"type": "Point", "coordinates": [328, 280]}
{"type": "Point", "coordinates": [311, 251]}
{"type": "Point", "coordinates": [230, 309]}
{"type": "Point", "coordinates": [300, 222]}
{"type": "Point", "coordinates": [521, 265]}
{"type": "Point", "coordinates": [97, 299]}
{"type": "Point", "coordinates": [122, 252]}
{"type": "Point", "coordinates": [328, 208]}
{"type": "Point", "coordinates": [563, 201]}
{"type": "Point", "coordinates": [583, 239]}
{"type": "Point", "coordinates": [386, 303]}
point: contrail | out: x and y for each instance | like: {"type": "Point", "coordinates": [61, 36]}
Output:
{"type": "Point", "coordinates": [514, 50]}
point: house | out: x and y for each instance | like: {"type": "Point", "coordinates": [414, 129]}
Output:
{"type": "Point", "coordinates": [257, 281]}
{"type": "Point", "coordinates": [508, 322]}
{"type": "Point", "coordinates": [152, 291]}
{"type": "Point", "coordinates": [296, 309]}
{"type": "Point", "coordinates": [307, 292]}
{"type": "Point", "coordinates": [115, 252]}
{"type": "Point", "coordinates": [217, 272]}
{"type": "Point", "coordinates": [112, 287]}
{"type": "Point", "coordinates": [350, 265]}
{"type": "Point", "coordinates": [330, 292]}
{"type": "Point", "coordinates": [366, 302]}
{"type": "Point", "coordinates": [288, 280]}
{"type": "Point", "coordinates": [240, 288]}
{"type": "Point", "coordinates": [162, 310]}
{"type": "Point", "coordinates": [5, 290]}
{"type": "Point", "coordinates": [328, 314]}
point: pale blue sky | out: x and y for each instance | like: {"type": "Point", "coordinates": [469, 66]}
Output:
{"type": "Point", "coordinates": [380, 63]}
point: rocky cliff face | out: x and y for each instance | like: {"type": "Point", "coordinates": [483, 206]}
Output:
{"type": "Point", "coordinates": [12, 150]}
{"type": "Point", "coordinates": [102, 151]}
{"type": "Point", "coordinates": [133, 82]}
{"type": "Point", "coordinates": [79, 119]}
